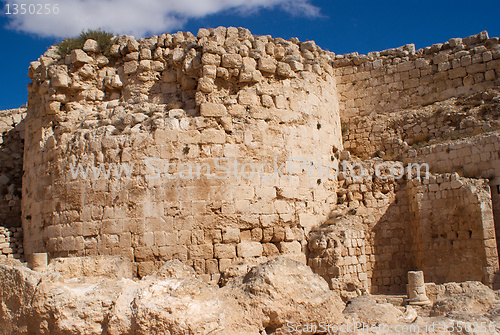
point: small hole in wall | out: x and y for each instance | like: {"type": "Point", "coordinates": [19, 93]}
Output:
{"type": "Point", "coordinates": [185, 150]}
{"type": "Point", "coordinates": [318, 126]}
{"type": "Point", "coordinates": [498, 189]}
{"type": "Point", "coordinates": [470, 233]}
{"type": "Point", "coordinates": [318, 181]}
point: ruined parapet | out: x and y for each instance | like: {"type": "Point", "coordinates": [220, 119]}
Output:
{"type": "Point", "coordinates": [185, 101]}
{"type": "Point", "coordinates": [399, 78]}
{"type": "Point", "coordinates": [377, 91]}
{"type": "Point", "coordinates": [396, 134]}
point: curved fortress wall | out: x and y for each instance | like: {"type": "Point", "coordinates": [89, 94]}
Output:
{"type": "Point", "coordinates": [165, 110]}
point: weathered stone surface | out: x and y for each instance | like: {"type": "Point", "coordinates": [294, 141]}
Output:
{"type": "Point", "coordinates": [90, 45]}
{"type": "Point", "coordinates": [249, 249]}
{"type": "Point", "coordinates": [172, 301]}
{"type": "Point", "coordinates": [468, 298]}
{"type": "Point", "coordinates": [256, 98]}
{"type": "Point", "coordinates": [232, 60]}
{"type": "Point", "coordinates": [130, 67]}
{"type": "Point", "coordinates": [211, 109]}
{"type": "Point", "coordinates": [369, 312]}
{"type": "Point", "coordinates": [79, 56]}
{"type": "Point", "coordinates": [105, 266]}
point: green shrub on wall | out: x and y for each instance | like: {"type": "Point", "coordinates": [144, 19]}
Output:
{"type": "Point", "coordinates": [104, 40]}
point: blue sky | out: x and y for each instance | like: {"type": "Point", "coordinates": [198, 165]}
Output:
{"type": "Point", "coordinates": [339, 26]}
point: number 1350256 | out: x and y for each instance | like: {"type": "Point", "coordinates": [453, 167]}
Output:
{"type": "Point", "coordinates": [31, 9]}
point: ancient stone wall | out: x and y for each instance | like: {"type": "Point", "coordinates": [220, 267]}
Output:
{"type": "Point", "coordinates": [11, 243]}
{"type": "Point", "coordinates": [210, 149]}
{"type": "Point", "coordinates": [476, 156]}
{"type": "Point", "coordinates": [11, 166]}
{"type": "Point", "coordinates": [376, 89]}
{"type": "Point", "coordinates": [392, 135]}
{"type": "Point", "coordinates": [376, 210]}
{"type": "Point", "coordinates": [453, 229]}
{"type": "Point", "coordinates": [11, 172]}
{"type": "Point", "coordinates": [185, 101]}
{"type": "Point", "coordinates": [435, 224]}
{"type": "Point", "coordinates": [396, 79]}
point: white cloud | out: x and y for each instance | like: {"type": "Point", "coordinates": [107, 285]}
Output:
{"type": "Point", "coordinates": [137, 17]}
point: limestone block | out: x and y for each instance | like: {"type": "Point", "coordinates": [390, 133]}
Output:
{"type": "Point", "coordinates": [79, 56]}
{"type": "Point", "coordinates": [211, 266]}
{"type": "Point", "coordinates": [278, 234]}
{"type": "Point", "coordinates": [284, 69]}
{"type": "Point", "coordinates": [457, 73]}
{"type": "Point", "coordinates": [90, 45]}
{"type": "Point", "coordinates": [231, 235]}
{"type": "Point", "coordinates": [145, 65]}
{"type": "Point", "coordinates": [212, 109]}
{"type": "Point", "coordinates": [225, 263]}
{"type": "Point", "coordinates": [249, 64]}
{"type": "Point", "coordinates": [495, 64]}
{"type": "Point", "coordinates": [269, 250]}
{"type": "Point", "coordinates": [248, 97]}
{"type": "Point", "coordinates": [223, 73]}
{"type": "Point", "coordinates": [178, 55]}
{"type": "Point", "coordinates": [249, 249]}
{"type": "Point", "coordinates": [210, 59]}
{"type": "Point", "coordinates": [202, 251]}
{"type": "Point", "coordinates": [130, 67]}
{"type": "Point", "coordinates": [54, 107]}
{"type": "Point", "coordinates": [293, 247]}
{"type": "Point", "coordinates": [441, 57]}
{"type": "Point", "coordinates": [405, 66]}
{"type": "Point", "coordinates": [145, 54]}
{"type": "Point", "coordinates": [281, 102]}
{"type": "Point", "coordinates": [232, 60]}
{"type": "Point", "coordinates": [206, 85]}
{"type": "Point", "coordinates": [199, 266]}
{"type": "Point", "coordinates": [245, 235]}
{"type": "Point", "coordinates": [474, 68]}
{"type": "Point", "coordinates": [256, 234]}
{"type": "Point", "coordinates": [267, 234]}
{"type": "Point", "coordinates": [61, 79]}
{"type": "Point", "coordinates": [132, 45]}
{"type": "Point", "coordinates": [267, 64]}
{"type": "Point", "coordinates": [210, 71]}
{"type": "Point", "coordinates": [296, 66]}
{"type": "Point", "coordinates": [489, 75]}
{"type": "Point", "coordinates": [38, 261]}
{"type": "Point", "coordinates": [225, 251]}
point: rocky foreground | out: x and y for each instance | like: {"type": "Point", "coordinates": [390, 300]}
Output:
{"type": "Point", "coordinates": [282, 296]}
